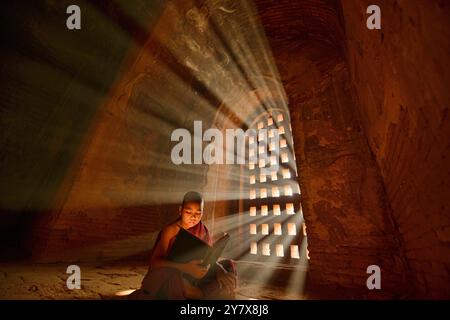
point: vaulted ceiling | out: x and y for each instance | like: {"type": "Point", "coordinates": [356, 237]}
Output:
{"type": "Point", "coordinates": [290, 22]}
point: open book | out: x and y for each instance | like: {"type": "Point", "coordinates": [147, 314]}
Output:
{"type": "Point", "coordinates": [187, 247]}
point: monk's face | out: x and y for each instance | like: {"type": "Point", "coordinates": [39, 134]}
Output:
{"type": "Point", "coordinates": [191, 214]}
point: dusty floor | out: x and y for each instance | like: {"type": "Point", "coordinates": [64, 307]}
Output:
{"type": "Point", "coordinates": [48, 281]}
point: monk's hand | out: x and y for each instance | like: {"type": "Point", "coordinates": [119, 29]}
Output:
{"type": "Point", "coordinates": [195, 269]}
{"type": "Point", "coordinates": [227, 280]}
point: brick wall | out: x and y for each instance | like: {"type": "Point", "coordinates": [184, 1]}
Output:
{"type": "Point", "coordinates": [401, 76]}
{"type": "Point", "coordinates": [343, 199]}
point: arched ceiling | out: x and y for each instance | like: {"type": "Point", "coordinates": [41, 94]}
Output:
{"type": "Point", "coordinates": [287, 22]}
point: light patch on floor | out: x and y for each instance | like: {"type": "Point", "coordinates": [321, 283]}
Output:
{"type": "Point", "coordinates": [115, 281]}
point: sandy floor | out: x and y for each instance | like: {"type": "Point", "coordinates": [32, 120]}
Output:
{"type": "Point", "coordinates": [48, 281]}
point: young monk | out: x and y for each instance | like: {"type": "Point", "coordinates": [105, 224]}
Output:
{"type": "Point", "coordinates": [168, 280]}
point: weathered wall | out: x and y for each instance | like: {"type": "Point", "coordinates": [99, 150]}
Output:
{"type": "Point", "coordinates": [343, 199]}
{"type": "Point", "coordinates": [123, 186]}
{"type": "Point", "coordinates": [401, 76]}
{"type": "Point", "coordinates": [52, 83]}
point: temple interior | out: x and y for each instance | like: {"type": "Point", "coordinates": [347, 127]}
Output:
{"type": "Point", "coordinates": [362, 116]}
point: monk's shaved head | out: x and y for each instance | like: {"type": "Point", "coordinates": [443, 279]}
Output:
{"type": "Point", "coordinates": [193, 196]}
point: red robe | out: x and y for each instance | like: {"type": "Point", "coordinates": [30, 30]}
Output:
{"type": "Point", "coordinates": [167, 283]}
{"type": "Point", "coordinates": [199, 230]}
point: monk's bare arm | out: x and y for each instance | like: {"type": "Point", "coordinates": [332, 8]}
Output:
{"type": "Point", "coordinates": [159, 259]}
{"type": "Point", "coordinates": [161, 250]}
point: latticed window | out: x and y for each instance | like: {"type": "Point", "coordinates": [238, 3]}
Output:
{"type": "Point", "coordinates": [276, 228]}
